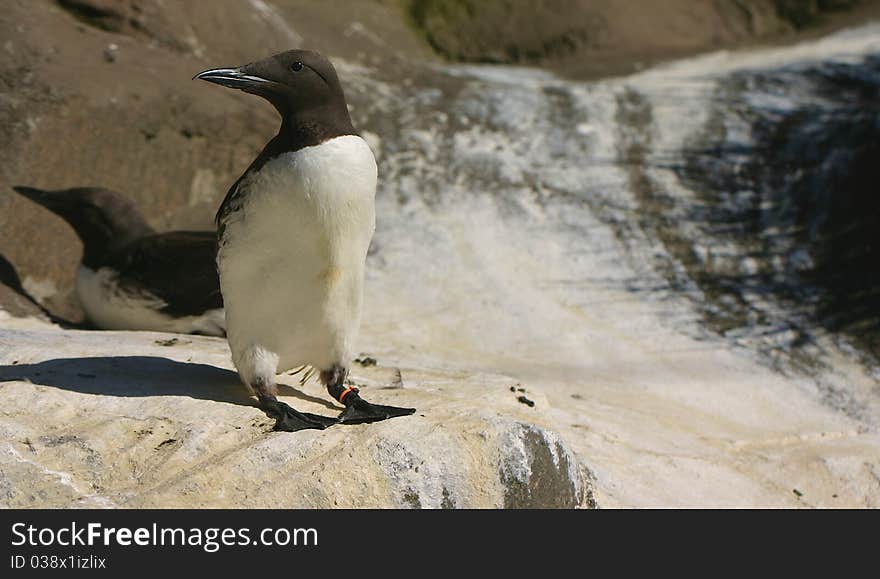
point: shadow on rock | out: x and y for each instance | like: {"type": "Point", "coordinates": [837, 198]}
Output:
{"type": "Point", "coordinates": [133, 376]}
{"type": "Point", "coordinates": [141, 376]}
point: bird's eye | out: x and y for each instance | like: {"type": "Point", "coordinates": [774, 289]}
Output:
{"type": "Point", "coordinates": [296, 66]}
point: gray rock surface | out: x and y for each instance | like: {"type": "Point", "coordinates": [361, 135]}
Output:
{"type": "Point", "coordinates": [136, 419]}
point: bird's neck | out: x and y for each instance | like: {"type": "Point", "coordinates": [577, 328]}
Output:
{"type": "Point", "coordinates": [101, 240]}
{"type": "Point", "coordinates": [314, 126]}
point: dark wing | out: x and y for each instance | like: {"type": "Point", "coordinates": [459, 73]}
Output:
{"type": "Point", "coordinates": [234, 197]}
{"type": "Point", "coordinates": [231, 203]}
{"type": "Point", "coordinates": [178, 267]}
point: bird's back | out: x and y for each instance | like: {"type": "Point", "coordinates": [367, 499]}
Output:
{"type": "Point", "coordinates": [160, 282]}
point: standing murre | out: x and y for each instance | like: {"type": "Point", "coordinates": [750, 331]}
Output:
{"type": "Point", "coordinates": [132, 278]}
{"type": "Point", "coordinates": [293, 235]}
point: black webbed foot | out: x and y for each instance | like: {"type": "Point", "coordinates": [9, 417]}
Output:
{"type": "Point", "coordinates": [359, 411]}
{"type": "Point", "coordinates": [289, 419]}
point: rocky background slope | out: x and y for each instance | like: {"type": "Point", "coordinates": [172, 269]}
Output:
{"type": "Point", "coordinates": [610, 251]}
{"type": "Point", "coordinates": [97, 92]}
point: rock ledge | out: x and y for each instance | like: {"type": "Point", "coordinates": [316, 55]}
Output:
{"type": "Point", "coordinates": [139, 419]}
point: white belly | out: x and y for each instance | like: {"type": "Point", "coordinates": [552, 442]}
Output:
{"type": "Point", "coordinates": [110, 307]}
{"type": "Point", "coordinates": [292, 257]}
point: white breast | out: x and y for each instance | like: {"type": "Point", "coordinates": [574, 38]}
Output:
{"type": "Point", "coordinates": [292, 258]}
{"type": "Point", "coordinates": [111, 307]}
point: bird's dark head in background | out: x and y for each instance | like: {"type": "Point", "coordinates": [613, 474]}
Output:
{"type": "Point", "coordinates": [102, 219]}
{"type": "Point", "coordinates": [301, 84]}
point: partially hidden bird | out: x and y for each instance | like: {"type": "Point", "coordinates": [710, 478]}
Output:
{"type": "Point", "coordinates": [131, 277]}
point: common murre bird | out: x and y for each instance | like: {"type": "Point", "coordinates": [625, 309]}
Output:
{"type": "Point", "coordinates": [293, 235]}
{"type": "Point", "coordinates": [132, 278]}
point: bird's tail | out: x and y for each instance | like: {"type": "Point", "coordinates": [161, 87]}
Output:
{"type": "Point", "coordinates": [309, 372]}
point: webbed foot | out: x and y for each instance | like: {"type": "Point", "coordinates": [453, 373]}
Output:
{"type": "Point", "coordinates": [359, 411]}
{"type": "Point", "coordinates": [289, 419]}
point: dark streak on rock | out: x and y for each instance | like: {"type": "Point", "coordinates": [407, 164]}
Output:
{"type": "Point", "coordinates": [411, 498]}
{"type": "Point", "coordinates": [526, 401]}
{"type": "Point", "coordinates": [549, 484]}
{"type": "Point", "coordinates": [366, 361]}
{"type": "Point", "coordinates": [447, 502]}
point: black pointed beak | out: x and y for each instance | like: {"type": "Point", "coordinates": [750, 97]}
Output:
{"type": "Point", "coordinates": [44, 198]}
{"type": "Point", "coordinates": [232, 78]}
{"type": "Point", "coordinates": [55, 201]}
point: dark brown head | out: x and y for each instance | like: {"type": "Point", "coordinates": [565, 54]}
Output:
{"type": "Point", "coordinates": [301, 84]}
{"type": "Point", "coordinates": [104, 220]}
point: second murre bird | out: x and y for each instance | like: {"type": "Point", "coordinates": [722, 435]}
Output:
{"type": "Point", "coordinates": [131, 277]}
{"type": "Point", "coordinates": [293, 235]}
